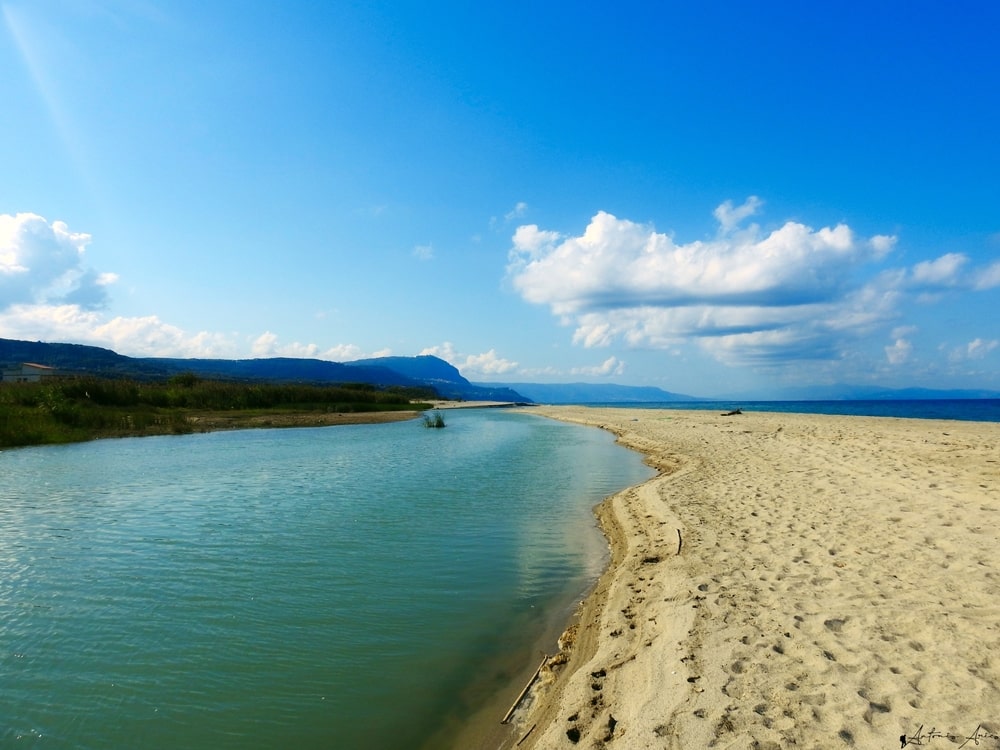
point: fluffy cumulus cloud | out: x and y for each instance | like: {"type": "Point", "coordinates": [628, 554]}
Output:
{"type": "Point", "coordinates": [351, 352]}
{"type": "Point", "coordinates": [42, 263]}
{"type": "Point", "coordinates": [142, 336]}
{"type": "Point", "coordinates": [746, 296]}
{"type": "Point", "coordinates": [268, 345]}
{"type": "Point", "coordinates": [487, 364]}
{"type": "Point", "coordinates": [48, 293]}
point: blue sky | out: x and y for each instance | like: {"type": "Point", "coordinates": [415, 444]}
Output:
{"type": "Point", "coordinates": [704, 197]}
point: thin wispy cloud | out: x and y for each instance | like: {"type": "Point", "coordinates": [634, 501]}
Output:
{"type": "Point", "coordinates": [987, 278]}
{"type": "Point", "coordinates": [940, 272]}
{"type": "Point", "coordinates": [729, 217]}
{"type": "Point", "coordinates": [518, 212]}
{"type": "Point", "coordinates": [978, 348]}
{"type": "Point", "coordinates": [612, 366]}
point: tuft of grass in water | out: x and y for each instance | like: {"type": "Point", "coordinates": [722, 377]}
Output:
{"type": "Point", "coordinates": [435, 422]}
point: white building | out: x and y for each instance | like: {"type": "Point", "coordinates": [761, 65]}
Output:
{"type": "Point", "coordinates": [28, 372]}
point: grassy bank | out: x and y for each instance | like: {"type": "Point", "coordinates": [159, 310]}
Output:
{"type": "Point", "coordinates": [77, 409]}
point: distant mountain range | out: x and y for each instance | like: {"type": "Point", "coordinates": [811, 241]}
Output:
{"type": "Point", "coordinates": [423, 371]}
{"type": "Point", "coordinates": [387, 371]}
{"type": "Point", "coordinates": [441, 376]}
{"type": "Point", "coordinates": [594, 393]}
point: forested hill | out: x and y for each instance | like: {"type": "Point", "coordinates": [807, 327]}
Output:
{"type": "Point", "coordinates": [390, 371]}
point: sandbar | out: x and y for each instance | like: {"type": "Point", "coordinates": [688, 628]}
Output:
{"type": "Point", "coordinates": [786, 580]}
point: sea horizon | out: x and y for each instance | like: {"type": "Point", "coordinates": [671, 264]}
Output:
{"type": "Point", "coordinates": [962, 409]}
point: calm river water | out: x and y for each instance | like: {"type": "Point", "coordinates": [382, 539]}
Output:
{"type": "Point", "coordinates": [349, 587]}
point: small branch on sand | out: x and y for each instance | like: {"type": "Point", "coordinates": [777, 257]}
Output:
{"type": "Point", "coordinates": [680, 541]}
{"type": "Point", "coordinates": [524, 692]}
{"type": "Point", "coordinates": [526, 735]}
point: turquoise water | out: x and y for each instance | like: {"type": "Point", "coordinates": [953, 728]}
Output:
{"type": "Point", "coordinates": [349, 587]}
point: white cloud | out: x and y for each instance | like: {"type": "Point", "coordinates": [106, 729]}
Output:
{"type": "Point", "coordinates": [617, 263]}
{"type": "Point", "coordinates": [351, 352]}
{"type": "Point", "coordinates": [729, 218]}
{"type": "Point", "coordinates": [517, 212]}
{"type": "Point", "coordinates": [977, 349]}
{"type": "Point", "coordinates": [487, 363]}
{"type": "Point", "coordinates": [423, 252]}
{"type": "Point", "coordinates": [610, 366]}
{"type": "Point", "coordinates": [146, 336]}
{"type": "Point", "coordinates": [899, 353]}
{"type": "Point", "coordinates": [42, 262]}
{"type": "Point", "coordinates": [445, 351]}
{"type": "Point", "coordinates": [472, 365]}
{"type": "Point", "coordinates": [264, 345]}
{"type": "Point", "coordinates": [988, 278]}
{"type": "Point", "coordinates": [267, 345]}
{"type": "Point", "coordinates": [767, 348]}
{"type": "Point", "coordinates": [882, 244]}
{"type": "Point", "coordinates": [746, 296]}
{"type": "Point", "coordinates": [48, 294]}
{"type": "Point", "coordinates": [532, 242]}
{"type": "Point", "coordinates": [943, 271]}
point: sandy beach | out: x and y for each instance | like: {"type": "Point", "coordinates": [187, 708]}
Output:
{"type": "Point", "coordinates": [786, 581]}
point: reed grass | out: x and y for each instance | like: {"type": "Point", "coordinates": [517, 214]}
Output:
{"type": "Point", "coordinates": [75, 409]}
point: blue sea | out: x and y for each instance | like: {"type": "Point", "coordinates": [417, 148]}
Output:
{"type": "Point", "coordinates": [344, 587]}
{"type": "Point", "coordinates": [969, 410]}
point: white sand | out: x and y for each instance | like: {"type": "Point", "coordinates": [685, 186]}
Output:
{"type": "Point", "coordinates": [838, 586]}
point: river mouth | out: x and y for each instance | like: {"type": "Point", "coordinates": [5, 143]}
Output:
{"type": "Point", "coordinates": [256, 588]}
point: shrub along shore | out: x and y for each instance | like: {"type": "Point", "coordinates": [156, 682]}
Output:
{"type": "Point", "coordinates": [65, 410]}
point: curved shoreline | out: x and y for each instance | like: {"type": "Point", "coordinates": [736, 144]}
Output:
{"type": "Point", "coordinates": [835, 585]}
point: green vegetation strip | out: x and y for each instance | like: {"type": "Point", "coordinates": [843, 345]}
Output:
{"type": "Point", "coordinates": [76, 409]}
